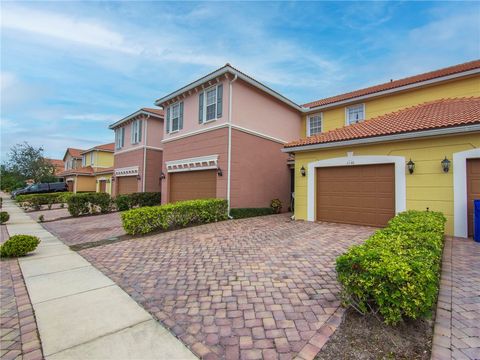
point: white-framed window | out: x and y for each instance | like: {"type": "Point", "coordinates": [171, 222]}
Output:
{"type": "Point", "coordinates": [314, 124]}
{"type": "Point", "coordinates": [91, 158]}
{"type": "Point", "coordinates": [136, 131]}
{"type": "Point", "coordinates": [210, 104]}
{"type": "Point", "coordinates": [354, 114]}
{"type": "Point", "coordinates": [119, 138]}
{"type": "Point", "coordinates": [175, 117]}
{"type": "Point", "coordinates": [84, 160]}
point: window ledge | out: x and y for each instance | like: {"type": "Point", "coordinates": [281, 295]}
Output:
{"type": "Point", "coordinates": [209, 121]}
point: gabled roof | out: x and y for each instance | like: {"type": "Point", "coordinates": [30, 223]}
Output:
{"type": "Point", "coordinates": [57, 163]}
{"type": "Point", "coordinates": [472, 66]}
{"type": "Point", "coordinates": [86, 170]}
{"type": "Point", "coordinates": [227, 68]}
{"type": "Point", "coordinates": [438, 114]}
{"type": "Point", "coordinates": [157, 113]}
{"type": "Point", "coordinates": [110, 147]}
{"type": "Point", "coordinates": [75, 153]}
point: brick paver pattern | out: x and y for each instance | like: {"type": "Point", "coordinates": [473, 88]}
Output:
{"type": "Point", "coordinates": [457, 324]}
{"type": "Point", "coordinates": [85, 229]}
{"type": "Point", "coordinates": [19, 337]}
{"type": "Point", "coordinates": [52, 214]}
{"type": "Point", "coordinates": [253, 288]}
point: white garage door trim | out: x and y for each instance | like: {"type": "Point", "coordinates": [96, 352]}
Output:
{"type": "Point", "coordinates": [460, 211]}
{"type": "Point", "coordinates": [351, 160]}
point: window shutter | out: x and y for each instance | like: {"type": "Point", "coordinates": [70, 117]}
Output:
{"type": "Point", "coordinates": [200, 108]}
{"type": "Point", "coordinates": [168, 120]}
{"type": "Point", "coordinates": [140, 130]}
{"type": "Point", "coordinates": [219, 100]}
{"type": "Point", "coordinates": [180, 117]}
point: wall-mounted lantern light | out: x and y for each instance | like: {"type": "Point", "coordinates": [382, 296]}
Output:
{"type": "Point", "coordinates": [445, 164]}
{"type": "Point", "coordinates": [162, 176]}
{"type": "Point", "coordinates": [303, 171]}
{"type": "Point", "coordinates": [113, 179]}
{"type": "Point", "coordinates": [139, 177]}
{"type": "Point", "coordinates": [411, 166]}
{"type": "Point", "coordinates": [219, 172]}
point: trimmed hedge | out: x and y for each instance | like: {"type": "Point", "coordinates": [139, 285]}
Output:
{"type": "Point", "coordinates": [4, 217]}
{"type": "Point", "coordinates": [129, 201]}
{"type": "Point", "coordinates": [89, 203]}
{"type": "Point", "coordinates": [35, 201]}
{"type": "Point", "coordinates": [241, 213]}
{"type": "Point", "coordinates": [19, 245]}
{"type": "Point", "coordinates": [177, 215]}
{"type": "Point", "coordinates": [396, 271]}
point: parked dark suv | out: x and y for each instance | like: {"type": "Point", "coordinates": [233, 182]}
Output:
{"type": "Point", "coordinates": [42, 188]}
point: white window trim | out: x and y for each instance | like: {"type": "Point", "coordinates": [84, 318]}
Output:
{"type": "Point", "coordinates": [308, 123]}
{"type": "Point", "coordinates": [92, 158]}
{"type": "Point", "coordinates": [119, 132]}
{"type": "Point", "coordinates": [171, 118]}
{"type": "Point", "coordinates": [135, 130]}
{"type": "Point", "coordinates": [346, 113]}
{"type": "Point", "coordinates": [204, 115]}
{"type": "Point", "coordinates": [350, 160]}
{"type": "Point", "coordinates": [84, 161]}
{"type": "Point", "coordinates": [460, 212]}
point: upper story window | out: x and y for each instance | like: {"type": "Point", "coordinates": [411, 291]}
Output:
{"type": "Point", "coordinates": [119, 138]}
{"type": "Point", "coordinates": [175, 117]}
{"type": "Point", "coordinates": [314, 124]}
{"type": "Point", "coordinates": [91, 158]}
{"type": "Point", "coordinates": [354, 114]}
{"type": "Point", "coordinates": [136, 132]}
{"type": "Point", "coordinates": [210, 104]}
{"type": "Point", "coordinates": [84, 160]}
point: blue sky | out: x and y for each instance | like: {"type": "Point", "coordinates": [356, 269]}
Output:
{"type": "Point", "coordinates": [68, 69]}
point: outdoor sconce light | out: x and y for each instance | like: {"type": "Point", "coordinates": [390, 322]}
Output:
{"type": "Point", "coordinates": [303, 171]}
{"type": "Point", "coordinates": [113, 179]}
{"type": "Point", "coordinates": [139, 177]}
{"type": "Point", "coordinates": [219, 172]}
{"type": "Point", "coordinates": [411, 166]}
{"type": "Point", "coordinates": [162, 176]}
{"type": "Point", "coordinates": [445, 165]}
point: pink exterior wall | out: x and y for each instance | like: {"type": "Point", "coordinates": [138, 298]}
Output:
{"type": "Point", "coordinates": [154, 132]}
{"type": "Point", "coordinates": [259, 172]}
{"type": "Point", "coordinates": [255, 110]}
{"type": "Point", "coordinates": [153, 170]}
{"type": "Point", "coordinates": [210, 143]}
{"type": "Point", "coordinates": [190, 113]}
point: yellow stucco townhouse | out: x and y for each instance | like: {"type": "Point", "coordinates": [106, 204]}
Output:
{"type": "Point", "coordinates": [412, 143]}
{"type": "Point", "coordinates": [95, 172]}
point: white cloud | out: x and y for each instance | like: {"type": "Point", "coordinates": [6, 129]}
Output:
{"type": "Point", "coordinates": [92, 117]}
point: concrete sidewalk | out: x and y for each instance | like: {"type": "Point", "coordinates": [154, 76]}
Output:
{"type": "Point", "coordinates": [82, 314]}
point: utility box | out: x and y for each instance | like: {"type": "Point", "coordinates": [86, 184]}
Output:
{"type": "Point", "coordinates": [476, 220]}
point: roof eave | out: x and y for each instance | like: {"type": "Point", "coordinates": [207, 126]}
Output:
{"type": "Point", "coordinates": [386, 138]}
{"type": "Point", "coordinates": [240, 75]}
{"type": "Point", "coordinates": [131, 116]}
{"type": "Point", "coordinates": [390, 91]}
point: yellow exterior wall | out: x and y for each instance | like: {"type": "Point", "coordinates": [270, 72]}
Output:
{"type": "Point", "coordinates": [335, 118]}
{"type": "Point", "coordinates": [104, 159]}
{"type": "Point", "coordinates": [428, 186]}
{"type": "Point", "coordinates": [85, 183]}
{"type": "Point", "coordinates": [108, 184]}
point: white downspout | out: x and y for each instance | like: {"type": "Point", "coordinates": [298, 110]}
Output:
{"type": "Point", "coordinates": [229, 164]}
{"type": "Point", "coordinates": [144, 153]}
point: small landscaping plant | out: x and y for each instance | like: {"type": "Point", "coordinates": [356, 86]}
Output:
{"type": "Point", "coordinates": [276, 206]}
{"type": "Point", "coordinates": [130, 201]}
{"type": "Point", "coordinates": [89, 203]}
{"type": "Point", "coordinates": [4, 217]}
{"type": "Point", "coordinates": [241, 213]}
{"type": "Point", "coordinates": [35, 201]}
{"type": "Point", "coordinates": [19, 245]}
{"type": "Point", "coordinates": [396, 271]}
{"type": "Point", "coordinates": [170, 216]}
{"type": "Point", "coordinates": [41, 218]}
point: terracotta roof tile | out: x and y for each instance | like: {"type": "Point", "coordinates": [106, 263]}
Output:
{"type": "Point", "coordinates": [436, 114]}
{"type": "Point", "coordinates": [154, 111]}
{"type": "Point", "coordinates": [59, 164]}
{"type": "Point", "coordinates": [106, 147]}
{"type": "Point", "coordinates": [86, 170]}
{"type": "Point", "coordinates": [397, 83]}
{"type": "Point", "coordinates": [75, 152]}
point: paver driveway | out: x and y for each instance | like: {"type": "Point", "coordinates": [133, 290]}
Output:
{"type": "Point", "coordinates": [250, 288]}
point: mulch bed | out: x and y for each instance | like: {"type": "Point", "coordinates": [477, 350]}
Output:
{"type": "Point", "coordinates": [366, 337]}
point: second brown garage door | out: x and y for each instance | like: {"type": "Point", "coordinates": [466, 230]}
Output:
{"type": "Point", "coordinates": [363, 195]}
{"type": "Point", "coordinates": [127, 184]}
{"type": "Point", "coordinates": [192, 185]}
{"type": "Point", "coordinates": [473, 189]}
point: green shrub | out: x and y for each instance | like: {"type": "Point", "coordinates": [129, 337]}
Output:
{"type": "Point", "coordinates": [19, 245]}
{"type": "Point", "coordinates": [4, 217]}
{"type": "Point", "coordinates": [180, 214]}
{"type": "Point", "coordinates": [130, 201]}
{"type": "Point", "coordinates": [35, 201]}
{"type": "Point", "coordinates": [89, 203]}
{"type": "Point", "coordinates": [396, 271]}
{"type": "Point", "coordinates": [41, 218]}
{"type": "Point", "coordinates": [276, 206]}
{"type": "Point", "coordinates": [241, 213]}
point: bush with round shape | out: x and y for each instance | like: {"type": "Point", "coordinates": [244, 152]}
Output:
{"type": "Point", "coordinates": [4, 217]}
{"type": "Point", "coordinates": [19, 245]}
{"type": "Point", "coordinates": [276, 206]}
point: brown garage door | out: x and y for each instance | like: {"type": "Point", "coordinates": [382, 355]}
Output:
{"type": "Point", "coordinates": [363, 195]}
{"type": "Point", "coordinates": [473, 189]}
{"type": "Point", "coordinates": [193, 185]}
{"type": "Point", "coordinates": [127, 184]}
{"type": "Point", "coordinates": [71, 185]}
